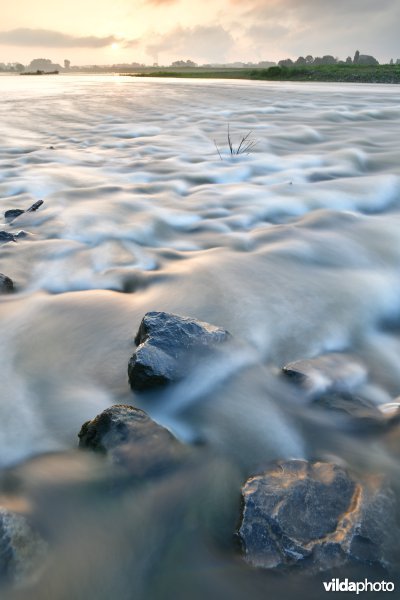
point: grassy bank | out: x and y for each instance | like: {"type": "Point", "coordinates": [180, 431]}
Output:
{"type": "Point", "coordinates": [345, 73]}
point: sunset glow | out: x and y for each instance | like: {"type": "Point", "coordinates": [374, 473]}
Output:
{"type": "Point", "coordinates": [221, 31]}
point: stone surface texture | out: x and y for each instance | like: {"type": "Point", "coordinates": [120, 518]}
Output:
{"type": "Point", "coordinates": [316, 516]}
{"type": "Point", "coordinates": [22, 551]}
{"type": "Point", "coordinates": [168, 346]}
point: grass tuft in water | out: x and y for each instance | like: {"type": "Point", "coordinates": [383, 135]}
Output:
{"type": "Point", "coordinates": [245, 145]}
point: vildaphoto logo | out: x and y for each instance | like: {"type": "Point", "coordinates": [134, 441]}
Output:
{"type": "Point", "coordinates": [344, 585]}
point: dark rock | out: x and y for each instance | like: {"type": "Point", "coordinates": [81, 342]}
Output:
{"type": "Point", "coordinates": [13, 213]}
{"type": "Point", "coordinates": [22, 551]}
{"type": "Point", "coordinates": [168, 347]}
{"type": "Point", "coordinates": [35, 206]}
{"type": "Point", "coordinates": [5, 236]}
{"type": "Point", "coordinates": [133, 440]}
{"type": "Point", "coordinates": [6, 284]}
{"type": "Point", "coordinates": [333, 372]}
{"type": "Point", "coordinates": [316, 516]}
{"type": "Point", "coordinates": [21, 234]}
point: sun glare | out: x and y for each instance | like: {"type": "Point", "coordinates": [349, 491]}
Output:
{"type": "Point", "coordinates": [115, 46]}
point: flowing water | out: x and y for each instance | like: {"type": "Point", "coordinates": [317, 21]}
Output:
{"type": "Point", "coordinates": [293, 247]}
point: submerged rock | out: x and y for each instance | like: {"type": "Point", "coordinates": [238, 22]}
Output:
{"type": "Point", "coordinates": [22, 551]}
{"type": "Point", "coordinates": [13, 213]}
{"type": "Point", "coordinates": [133, 440]}
{"type": "Point", "coordinates": [360, 413]}
{"type": "Point", "coordinates": [6, 284]}
{"type": "Point", "coordinates": [168, 346]}
{"type": "Point", "coordinates": [315, 515]}
{"type": "Point", "coordinates": [329, 372]}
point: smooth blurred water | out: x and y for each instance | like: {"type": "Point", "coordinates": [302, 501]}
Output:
{"type": "Point", "coordinates": [294, 248]}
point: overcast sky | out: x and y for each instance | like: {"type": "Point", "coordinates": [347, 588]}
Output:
{"type": "Point", "coordinates": [113, 31]}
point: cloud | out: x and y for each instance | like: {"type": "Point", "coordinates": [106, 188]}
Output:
{"type": "Point", "coordinates": [46, 38]}
{"type": "Point", "coordinates": [202, 43]}
{"type": "Point", "coordinates": [322, 26]}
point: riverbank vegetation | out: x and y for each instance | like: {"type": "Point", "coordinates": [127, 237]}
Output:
{"type": "Point", "coordinates": [336, 72]}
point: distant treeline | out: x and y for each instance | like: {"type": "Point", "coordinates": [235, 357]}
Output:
{"type": "Point", "coordinates": [46, 65]}
{"type": "Point", "coordinates": [327, 59]}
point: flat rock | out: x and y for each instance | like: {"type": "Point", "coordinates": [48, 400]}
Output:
{"type": "Point", "coordinates": [168, 346]}
{"type": "Point", "coordinates": [317, 516]}
{"type": "Point", "coordinates": [22, 551]}
{"type": "Point", "coordinates": [132, 440]}
{"type": "Point", "coordinates": [358, 413]}
{"type": "Point", "coordinates": [6, 284]}
{"type": "Point", "coordinates": [333, 372]}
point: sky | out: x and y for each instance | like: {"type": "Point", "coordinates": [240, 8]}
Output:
{"type": "Point", "coordinates": [124, 31]}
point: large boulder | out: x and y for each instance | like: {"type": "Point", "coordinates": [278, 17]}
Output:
{"type": "Point", "coordinates": [168, 346]}
{"type": "Point", "coordinates": [6, 284]}
{"type": "Point", "coordinates": [132, 440]}
{"type": "Point", "coordinates": [316, 515]}
{"type": "Point", "coordinates": [22, 551]}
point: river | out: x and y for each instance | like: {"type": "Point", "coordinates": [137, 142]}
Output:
{"type": "Point", "coordinates": [293, 247]}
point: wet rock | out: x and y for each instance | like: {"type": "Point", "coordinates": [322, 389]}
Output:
{"type": "Point", "coordinates": [35, 206]}
{"type": "Point", "coordinates": [359, 414]}
{"type": "Point", "coordinates": [316, 516]}
{"type": "Point", "coordinates": [357, 410]}
{"type": "Point", "coordinates": [21, 234]}
{"type": "Point", "coordinates": [132, 440]}
{"type": "Point", "coordinates": [168, 347]}
{"type": "Point", "coordinates": [13, 213]}
{"type": "Point", "coordinates": [6, 284]}
{"type": "Point", "coordinates": [5, 236]}
{"type": "Point", "coordinates": [333, 372]}
{"type": "Point", "coordinates": [390, 409]}
{"type": "Point", "coordinates": [22, 551]}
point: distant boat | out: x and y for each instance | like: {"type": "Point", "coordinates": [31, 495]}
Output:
{"type": "Point", "coordinates": [40, 73]}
